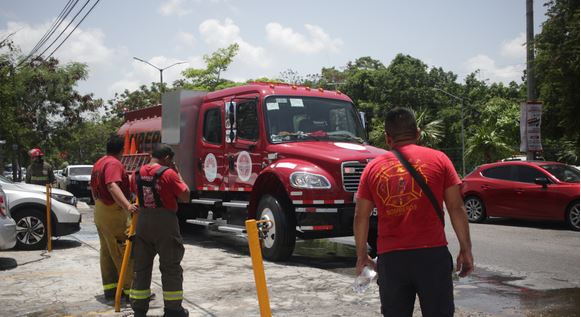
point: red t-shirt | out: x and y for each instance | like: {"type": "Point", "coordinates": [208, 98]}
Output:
{"type": "Point", "coordinates": [107, 170]}
{"type": "Point", "coordinates": [169, 185]}
{"type": "Point", "coordinates": [406, 217]}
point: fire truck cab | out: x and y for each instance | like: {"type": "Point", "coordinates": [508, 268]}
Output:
{"type": "Point", "coordinates": [289, 154]}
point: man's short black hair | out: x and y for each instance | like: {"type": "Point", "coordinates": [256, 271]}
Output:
{"type": "Point", "coordinates": [400, 124]}
{"type": "Point", "coordinates": [162, 150]}
{"type": "Point", "coordinates": [115, 144]}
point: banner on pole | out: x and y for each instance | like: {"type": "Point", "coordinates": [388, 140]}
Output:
{"type": "Point", "coordinates": [530, 126]}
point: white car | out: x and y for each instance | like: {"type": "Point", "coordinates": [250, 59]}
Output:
{"type": "Point", "coordinates": [7, 225]}
{"type": "Point", "coordinates": [28, 208]}
{"type": "Point", "coordinates": [77, 180]}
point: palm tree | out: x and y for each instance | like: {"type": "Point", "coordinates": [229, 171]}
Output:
{"type": "Point", "coordinates": [431, 132]}
{"type": "Point", "coordinates": [485, 145]}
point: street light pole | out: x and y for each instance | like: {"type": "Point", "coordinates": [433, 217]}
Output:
{"type": "Point", "coordinates": [461, 125]}
{"type": "Point", "coordinates": [161, 88]}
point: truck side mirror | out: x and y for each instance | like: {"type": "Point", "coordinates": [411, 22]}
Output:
{"type": "Point", "coordinates": [542, 181]}
{"type": "Point", "coordinates": [230, 110]}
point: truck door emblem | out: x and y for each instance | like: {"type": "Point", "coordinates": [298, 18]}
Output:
{"type": "Point", "coordinates": [244, 166]}
{"type": "Point", "coordinates": [210, 167]}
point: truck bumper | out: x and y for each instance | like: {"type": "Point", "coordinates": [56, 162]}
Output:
{"type": "Point", "coordinates": [324, 221]}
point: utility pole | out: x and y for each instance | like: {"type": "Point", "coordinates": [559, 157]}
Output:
{"type": "Point", "coordinates": [531, 93]}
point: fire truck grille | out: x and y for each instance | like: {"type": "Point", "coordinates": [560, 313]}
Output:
{"type": "Point", "coordinates": [351, 172]}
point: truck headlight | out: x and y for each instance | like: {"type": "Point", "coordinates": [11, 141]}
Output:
{"type": "Point", "coordinates": [67, 199]}
{"type": "Point", "coordinates": [309, 180]}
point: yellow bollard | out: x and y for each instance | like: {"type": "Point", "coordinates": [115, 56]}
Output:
{"type": "Point", "coordinates": [258, 266]}
{"type": "Point", "coordinates": [48, 220]}
{"type": "Point", "coordinates": [126, 256]}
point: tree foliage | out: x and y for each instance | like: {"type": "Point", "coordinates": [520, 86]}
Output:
{"type": "Point", "coordinates": [38, 101]}
{"type": "Point", "coordinates": [209, 78]}
{"type": "Point", "coordinates": [557, 74]}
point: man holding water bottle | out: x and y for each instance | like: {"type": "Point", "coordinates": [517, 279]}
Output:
{"type": "Point", "coordinates": [413, 256]}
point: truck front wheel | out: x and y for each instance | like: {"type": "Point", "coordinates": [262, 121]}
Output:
{"type": "Point", "coordinates": [279, 235]}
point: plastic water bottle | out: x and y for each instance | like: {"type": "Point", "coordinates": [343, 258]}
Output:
{"type": "Point", "coordinates": [363, 280]}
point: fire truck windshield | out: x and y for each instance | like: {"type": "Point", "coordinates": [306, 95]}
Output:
{"type": "Point", "coordinates": [296, 119]}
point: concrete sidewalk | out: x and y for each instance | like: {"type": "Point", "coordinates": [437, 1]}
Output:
{"type": "Point", "coordinates": [218, 281]}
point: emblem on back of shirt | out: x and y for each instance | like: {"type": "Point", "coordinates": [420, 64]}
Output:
{"type": "Point", "coordinates": [397, 189]}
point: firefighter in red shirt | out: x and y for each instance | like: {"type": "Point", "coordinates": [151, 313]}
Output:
{"type": "Point", "coordinates": [413, 256]}
{"type": "Point", "coordinates": [111, 193]}
{"type": "Point", "coordinates": [159, 186]}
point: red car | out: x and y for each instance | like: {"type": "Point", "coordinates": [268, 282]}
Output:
{"type": "Point", "coordinates": [529, 190]}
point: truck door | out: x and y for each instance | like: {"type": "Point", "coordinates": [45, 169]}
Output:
{"type": "Point", "coordinates": [211, 166]}
{"type": "Point", "coordinates": [242, 156]}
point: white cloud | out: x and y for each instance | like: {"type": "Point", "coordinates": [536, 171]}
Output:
{"type": "Point", "coordinates": [515, 48]}
{"type": "Point", "coordinates": [186, 39]}
{"type": "Point", "coordinates": [316, 41]}
{"type": "Point", "coordinates": [174, 7]}
{"type": "Point", "coordinates": [84, 45]}
{"type": "Point", "coordinates": [217, 35]}
{"type": "Point", "coordinates": [489, 69]}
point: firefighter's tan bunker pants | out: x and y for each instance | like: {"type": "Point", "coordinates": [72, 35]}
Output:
{"type": "Point", "coordinates": [157, 232]}
{"type": "Point", "coordinates": [112, 223]}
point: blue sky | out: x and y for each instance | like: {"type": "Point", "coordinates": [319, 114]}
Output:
{"type": "Point", "coordinates": [458, 35]}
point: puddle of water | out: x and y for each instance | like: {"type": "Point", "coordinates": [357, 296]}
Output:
{"type": "Point", "coordinates": [483, 291]}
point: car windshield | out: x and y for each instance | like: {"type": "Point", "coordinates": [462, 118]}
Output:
{"type": "Point", "coordinates": [563, 172]}
{"type": "Point", "coordinates": [295, 119]}
{"type": "Point", "coordinates": [76, 171]}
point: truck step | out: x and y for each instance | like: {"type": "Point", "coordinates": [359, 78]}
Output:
{"type": "Point", "coordinates": [201, 222]}
{"type": "Point", "coordinates": [207, 201]}
{"type": "Point", "coordinates": [235, 204]}
{"type": "Point", "coordinates": [232, 228]}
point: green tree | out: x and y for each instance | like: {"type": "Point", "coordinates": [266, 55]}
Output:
{"type": "Point", "coordinates": [557, 73]}
{"type": "Point", "coordinates": [133, 100]}
{"type": "Point", "coordinates": [486, 145]}
{"type": "Point", "coordinates": [209, 77]}
{"type": "Point", "coordinates": [38, 101]}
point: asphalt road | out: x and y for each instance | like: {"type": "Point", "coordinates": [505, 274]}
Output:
{"type": "Point", "coordinates": [538, 255]}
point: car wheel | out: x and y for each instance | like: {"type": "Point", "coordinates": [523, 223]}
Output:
{"type": "Point", "coordinates": [30, 230]}
{"type": "Point", "coordinates": [279, 235]}
{"type": "Point", "coordinates": [475, 209]}
{"type": "Point", "coordinates": [573, 216]}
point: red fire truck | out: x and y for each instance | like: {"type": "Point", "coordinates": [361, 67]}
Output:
{"type": "Point", "coordinates": [285, 153]}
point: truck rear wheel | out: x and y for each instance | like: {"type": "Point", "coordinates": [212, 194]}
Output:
{"type": "Point", "coordinates": [280, 234]}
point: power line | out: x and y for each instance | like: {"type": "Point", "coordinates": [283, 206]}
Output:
{"type": "Point", "coordinates": [83, 19]}
{"type": "Point", "coordinates": [63, 31]}
{"type": "Point", "coordinates": [62, 16]}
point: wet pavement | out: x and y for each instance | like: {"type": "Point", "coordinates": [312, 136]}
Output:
{"type": "Point", "coordinates": [218, 281]}
{"type": "Point", "coordinates": [483, 291]}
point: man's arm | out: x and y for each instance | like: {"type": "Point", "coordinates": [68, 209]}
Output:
{"type": "Point", "coordinates": [457, 212]}
{"type": "Point", "coordinates": [119, 197]}
{"type": "Point", "coordinates": [363, 208]}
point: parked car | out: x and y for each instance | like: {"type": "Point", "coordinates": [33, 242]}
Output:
{"type": "Point", "coordinates": [28, 208]}
{"type": "Point", "coordinates": [527, 189]}
{"type": "Point", "coordinates": [7, 224]}
{"type": "Point", "coordinates": [77, 180]}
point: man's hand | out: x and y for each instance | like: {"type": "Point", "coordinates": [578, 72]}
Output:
{"type": "Point", "coordinates": [464, 263]}
{"type": "Point", "coordinates": [363, 262]}
{"type": "Point", "coordinates": [132, 208]}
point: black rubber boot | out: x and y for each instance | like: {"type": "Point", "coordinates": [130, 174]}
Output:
{"type": "Point", "coordinates": [139, 313]}
{"type": "Point", "coordinates": [182, 312]}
